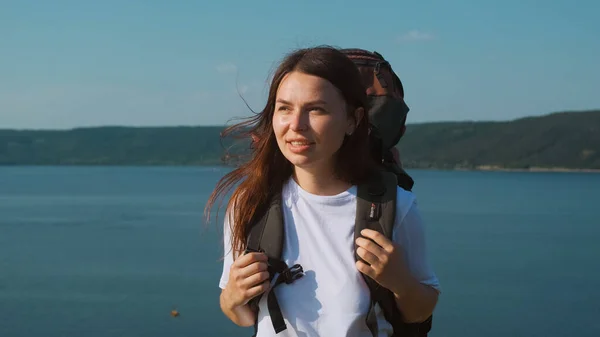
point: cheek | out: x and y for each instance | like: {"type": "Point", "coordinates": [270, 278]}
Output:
{"type": "Point", "coordinates": [332, 132]}
{"type": "Point", "coordinates": [278, 126]}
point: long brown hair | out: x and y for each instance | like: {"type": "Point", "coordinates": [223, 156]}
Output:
{"type": "Point", "coordinates": [262, 177]}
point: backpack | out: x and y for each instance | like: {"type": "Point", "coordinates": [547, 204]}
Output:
{"type": "Point", "coordinates": [387, 109]}
{"type": "Point", "coordinates": [376, 198]}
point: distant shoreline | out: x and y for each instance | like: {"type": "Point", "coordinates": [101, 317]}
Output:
{"type": "Point", "coordinates": [557, 142]}
{"type": "Point", "coordinates": [480, 168]}
{"type": "Point", "coordinates": [493, 168]}
{"type": "Point", "coordinates": [535, 169]}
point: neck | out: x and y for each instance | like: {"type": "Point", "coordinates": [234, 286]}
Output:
{"type": "Point", "coordinates": [319, 182]}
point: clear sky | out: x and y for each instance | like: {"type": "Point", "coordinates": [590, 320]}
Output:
{"type": "Point", "coordinates": [76, 63]}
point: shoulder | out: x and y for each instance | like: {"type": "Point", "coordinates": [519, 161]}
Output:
{"type": "Point", "coordinates": [405, 203]}
{"type": "Point", "coordinates": [408, 223]}
{"type": "Point", "coordinates": [410, 234]}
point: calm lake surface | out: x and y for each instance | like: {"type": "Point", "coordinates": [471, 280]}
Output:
{"type": "Point", "coordinates": [110, 251]}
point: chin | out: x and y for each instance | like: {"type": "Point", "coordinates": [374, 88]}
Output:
{"type": "Point", "coordinates": [298, 160]}
{"type": "Point", "coordinates": [304, 162]}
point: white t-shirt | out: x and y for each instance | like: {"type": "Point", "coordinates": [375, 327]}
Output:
{"type": "Point", "coordinates": [332, 299]}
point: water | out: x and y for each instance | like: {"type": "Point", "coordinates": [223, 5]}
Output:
{"type": "Point", "coordinates": [96, 251]}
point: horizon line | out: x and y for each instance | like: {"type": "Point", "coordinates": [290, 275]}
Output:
{"type": "Point", "coordinates": [225, 125]}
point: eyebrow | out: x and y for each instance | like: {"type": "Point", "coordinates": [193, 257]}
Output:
{"type": "Point", "coordinates": [282, 101]}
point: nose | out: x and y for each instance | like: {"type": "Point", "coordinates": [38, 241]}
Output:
{"type": "Point", "coordinates": [298, 121]}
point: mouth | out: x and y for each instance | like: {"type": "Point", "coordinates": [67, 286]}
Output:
{"type": "Point", "coordinates": [300, 142]}
{"type": "Point", "coordinates": [299, 146]}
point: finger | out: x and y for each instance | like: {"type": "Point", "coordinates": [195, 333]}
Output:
{"type": "Point", "coordinates": [378, 238]}
{"type": "Point", "coordinates": [255, 279]}
{"type": "Point", "coordinates": [257, 290]}
{"type": "Point", "coordinates": [370, 246]}
{"type": "Point", "coordinates": [367, 256]}
{"type": "Point", "coordinates": [248, 259]}
{"type": "Point", "coordinates": [252, 269]}
{"type": "Point", "coordinates": [365, 269]}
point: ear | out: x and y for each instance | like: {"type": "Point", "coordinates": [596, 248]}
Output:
{"type": "Point", "coordinates": [355, 121]}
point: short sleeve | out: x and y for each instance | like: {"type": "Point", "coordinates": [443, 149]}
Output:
{"type": "Point", "coordinates": [409, 233]}
{"type": "Point", "coordinates": [228, 253]}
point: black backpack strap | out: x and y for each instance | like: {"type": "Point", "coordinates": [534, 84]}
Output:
{"type": "Point", "coordinates": [267, 236]}
{"type": "Point", "coordinates": [404, 180]}
{"type": "Point", "coordinates": [376, 209]}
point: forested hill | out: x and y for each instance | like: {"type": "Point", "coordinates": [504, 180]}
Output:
{"type": "Point", "coordinates": [559, 140]}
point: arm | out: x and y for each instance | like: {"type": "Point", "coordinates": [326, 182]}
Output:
{"type": "Point", "coordinates": [241, 315]}
{"type": "Point", "coordinates": [415, 300]}
{"type": "Point", "coordinates": [248, 277]}
{"type": "Point", "coordinates": [242, 278]}
{"type": "Point", "coordinates": [401, 266]}
{"type": "Point", "coordinates": [417, 288]}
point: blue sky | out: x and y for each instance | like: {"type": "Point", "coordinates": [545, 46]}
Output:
{"type": "Point", "coordinates": [66, 64]}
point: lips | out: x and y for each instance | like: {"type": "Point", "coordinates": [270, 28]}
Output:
{"type": "Point", "coordinates": [300, 142]}
{"type": "Point", "coordinates": [299, 145]}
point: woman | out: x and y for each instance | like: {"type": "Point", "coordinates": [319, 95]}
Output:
{"type": "Point", "coordinates": [311, 145]}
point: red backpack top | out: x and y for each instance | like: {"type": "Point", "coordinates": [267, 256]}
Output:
{"type": "Point", "coordinates": [387, 109]}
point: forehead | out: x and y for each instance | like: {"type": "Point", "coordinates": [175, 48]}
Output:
{"type": "Point", "coordinates": [299, 87]}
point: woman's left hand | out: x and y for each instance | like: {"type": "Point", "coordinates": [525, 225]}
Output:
{"type": "Point", "coordinates": [384, 260]}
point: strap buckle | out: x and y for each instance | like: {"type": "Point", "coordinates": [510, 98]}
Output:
{"type": "Point", "coordinates": [293, 273]}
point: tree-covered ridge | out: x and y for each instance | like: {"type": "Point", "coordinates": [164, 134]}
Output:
{"type": "Point", "coordinates": [112, 146]}
{"type": "Point", "coordinates": [559, 140]}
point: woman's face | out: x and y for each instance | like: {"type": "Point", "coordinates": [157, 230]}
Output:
{"type": "Point", "coordinates": [310, 121]}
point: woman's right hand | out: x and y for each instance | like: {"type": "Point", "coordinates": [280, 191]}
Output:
{"type": "Point", "coordinates": [248, 278]}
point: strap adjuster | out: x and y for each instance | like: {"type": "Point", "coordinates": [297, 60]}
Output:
{"type": "Point", "coordinates": [293, 273]}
